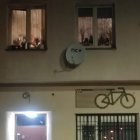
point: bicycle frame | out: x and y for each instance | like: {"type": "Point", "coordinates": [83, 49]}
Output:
{"type": "Point", "coordinates": [110, 94]}
{"type": "Point", "coordinates": [127, 100]}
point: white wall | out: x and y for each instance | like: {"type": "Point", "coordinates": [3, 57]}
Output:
{"type": "Point", "coordinates": [119, 64]}
{"type": "Point", "coordinates": [61, 106]}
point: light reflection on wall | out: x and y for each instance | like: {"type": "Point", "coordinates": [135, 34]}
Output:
{"type": "Point", "coordinates": [10, 126]}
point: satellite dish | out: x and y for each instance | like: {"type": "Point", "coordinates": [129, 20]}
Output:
{"type": "Point", "coordinates": [75, 54]}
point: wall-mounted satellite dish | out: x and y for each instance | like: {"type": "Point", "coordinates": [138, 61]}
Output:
{"type": "Point", "coordinates": [75, 55]}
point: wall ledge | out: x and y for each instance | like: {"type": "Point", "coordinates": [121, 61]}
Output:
{"type": "Point", "coordinates": [75, 83]}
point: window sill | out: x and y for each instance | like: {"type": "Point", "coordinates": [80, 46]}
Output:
{"type": "Point", "coordinates": [103, 47]}
{"type": "Point", "coordinates": [18, 48]}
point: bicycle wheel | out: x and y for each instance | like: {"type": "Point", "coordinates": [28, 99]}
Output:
{"type": "Point", "coordinates": [101, 101]}
{"type": "Point", "coordinates": [127, 101]}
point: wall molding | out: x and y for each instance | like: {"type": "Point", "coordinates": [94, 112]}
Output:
{"type": "Point", "coordinates": [74, 83]}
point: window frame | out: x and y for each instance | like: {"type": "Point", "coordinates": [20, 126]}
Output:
{"type": "Point", "coordinates": [27, 8]}
{"type": "Point", "coordinates": [120, 121]}
{"type": "Point", "coordinates": [96, 47]}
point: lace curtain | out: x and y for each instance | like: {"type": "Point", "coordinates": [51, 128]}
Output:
{"type": "Point", "coordinates": [20, 23]}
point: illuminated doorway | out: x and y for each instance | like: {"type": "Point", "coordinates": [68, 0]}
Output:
{"type": "Point", "coordinates": [30, 126]}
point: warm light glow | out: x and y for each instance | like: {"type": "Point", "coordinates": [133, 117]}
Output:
{"type": "Point", "coordinates": [31, 115]}
{"type": "Point", "coordinates": [105, 137]}
{"type": "Point", "coordinates": [111, 131]}
{"type": "Point", "coordinates": [112, 138]}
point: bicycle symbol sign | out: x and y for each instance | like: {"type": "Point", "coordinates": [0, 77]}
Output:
{"type": "Point", "coordinates": [127, 100]}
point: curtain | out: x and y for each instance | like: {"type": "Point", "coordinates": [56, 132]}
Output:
{"type": "Point", "coordinates": [85, 28]}
{"type": "Point", "coordinates": [18, 25]}
{"type": "Point", "coordinates": [36, 24]}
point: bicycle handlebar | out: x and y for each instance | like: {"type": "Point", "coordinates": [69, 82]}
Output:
{"type": "Point", "coordinates": [110, 89]}
{"type": "Point", "coordinates": [122, 88]}
{"type": "Point", "coordinates": [119, 88]}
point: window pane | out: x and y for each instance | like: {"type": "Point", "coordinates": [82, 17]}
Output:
{"type": "Point", "coordinates": [85, 26]}
{"type": "Point", "coordinates": [85, 12]}
{"type": "Point", "coordinates": [104, 22]}
{"type": "Point", "coordinates": [18, 26]}
{"type": "Point", "coordinates": [104, 13]}
{"type": "Point", "coordinates": [37, 26]}
{"type": "Point", "coordinates": [88, 132]}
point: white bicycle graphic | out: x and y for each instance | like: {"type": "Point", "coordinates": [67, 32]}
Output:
{"type": "Point", "coordinates": [127, 100]}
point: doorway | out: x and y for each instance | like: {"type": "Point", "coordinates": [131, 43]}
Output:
{"type": "Point", "coordinates": [30, 126]}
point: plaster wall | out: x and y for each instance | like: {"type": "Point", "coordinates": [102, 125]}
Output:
{"type": "Point", "coordinates": [61, 104]}
{"type": "Point", "coordinates": [120, 64]}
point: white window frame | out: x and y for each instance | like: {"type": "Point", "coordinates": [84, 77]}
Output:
{"type": "Point", "coordinates": [94, 7]}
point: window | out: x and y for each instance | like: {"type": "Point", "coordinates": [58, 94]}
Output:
{"type": "Point", "coordinates": [106, 126]}
{"type": "Point", "coordinates": [96, 29]}
{"type": "Point", "coordinates": [27, 28]}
